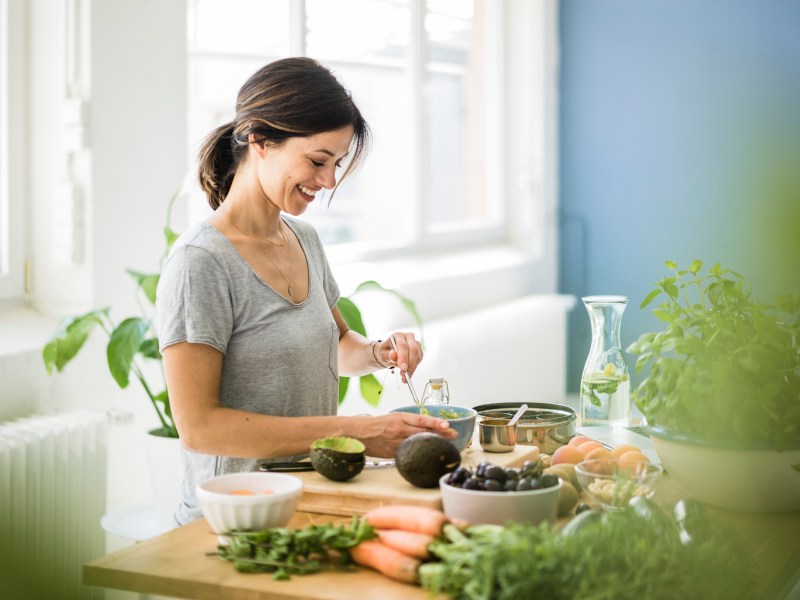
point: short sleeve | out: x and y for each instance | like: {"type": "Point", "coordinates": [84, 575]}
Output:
{"type": "Point", "coordinates": [193, 300]}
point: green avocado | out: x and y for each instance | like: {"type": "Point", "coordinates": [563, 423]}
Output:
{"type": "Point", "coordinates": [423, 458]}
{"type": "Point", "coordinates": [338, 458]}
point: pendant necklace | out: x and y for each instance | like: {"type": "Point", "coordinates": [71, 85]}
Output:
{"type": "Point", "coordinates": [264, 249]}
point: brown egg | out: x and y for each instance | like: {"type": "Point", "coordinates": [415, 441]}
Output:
{"type": "Point", "coordinates": [566, 454]}
{"type": "Point", "coordinates": [598, 453]}
{"type": "Point", "coordinates": [620, 450]}
{"type": "Point", "coordinates": [587, 447]}
{"type": "Point", "coordinates": [631, 461]}
{"type": "Point", "coordinates": [578, 440]}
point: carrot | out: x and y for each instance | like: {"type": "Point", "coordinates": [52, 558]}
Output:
{"type": "Point", "coordinates": [408, 518]}
{"type": "Point", "coordinates": [386, 560]}
{"type": "Point", "coordinates": [409, 543]}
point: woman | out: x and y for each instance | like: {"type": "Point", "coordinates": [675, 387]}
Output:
{"type": "Point", "coordinates": [249, 331]}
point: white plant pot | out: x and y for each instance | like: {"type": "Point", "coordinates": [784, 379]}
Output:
{"type": "Point", "coordinates": [740, 479]}
{"type": "Point", "coordinates": [166, 473]}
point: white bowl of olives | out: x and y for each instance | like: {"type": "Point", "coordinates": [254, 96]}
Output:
{"type": "Point", "coordinates": [493, 494]}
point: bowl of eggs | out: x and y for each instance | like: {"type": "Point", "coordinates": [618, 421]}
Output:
{"type": "Point", "coordinates": [612, 483]}
{"type": "Point", "coordinates": [251, 500]}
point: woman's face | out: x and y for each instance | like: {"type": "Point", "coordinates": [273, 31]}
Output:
{"type": "Point", "coordinates": [293, 173]}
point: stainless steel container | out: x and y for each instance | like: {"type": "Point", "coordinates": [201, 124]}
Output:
{"type": "Point", "coordinates": [547, 426]}
{"type": "Point", "coordinates": [496, 435]}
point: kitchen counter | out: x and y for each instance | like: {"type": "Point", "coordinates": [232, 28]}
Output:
{"type": "Point", "coordinates": [182, 562]}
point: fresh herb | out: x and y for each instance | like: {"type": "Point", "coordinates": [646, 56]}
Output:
{"type": "Point", "coordinates": [598, 383]}
{"type": "Point", "coordinates": [286, 552]}
{"type": "Point", "coordinates": [630, 554]}
{"type": "Point", "coordinates": [725, 368]}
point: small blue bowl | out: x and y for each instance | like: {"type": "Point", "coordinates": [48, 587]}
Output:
{"type": "Point", "coordinates": [464, 423]}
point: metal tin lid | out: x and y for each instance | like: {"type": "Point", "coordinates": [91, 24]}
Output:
{"type": "Point", "coordinates": [538, 414]}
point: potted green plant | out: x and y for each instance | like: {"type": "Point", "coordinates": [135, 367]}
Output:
{"type": "Point", "coordinates": [722, 396]}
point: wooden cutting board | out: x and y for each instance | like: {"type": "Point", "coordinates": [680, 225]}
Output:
{"type": "Point", "coordinates": [381, 486]}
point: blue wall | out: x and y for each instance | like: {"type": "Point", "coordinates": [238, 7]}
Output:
{"type": "Point", "coordinates": [679, 139]}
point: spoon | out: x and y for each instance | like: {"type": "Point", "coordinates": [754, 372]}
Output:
{"type": "Point", "coordinates": [520, 411]}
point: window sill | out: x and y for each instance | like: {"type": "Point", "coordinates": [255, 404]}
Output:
{"type": "Point", "coordinates": [23, 330]}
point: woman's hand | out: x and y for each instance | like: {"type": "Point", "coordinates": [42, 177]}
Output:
{"type": "Point", "coordinates": [407, 356]}
{"type": "Point", "coordinates": [382, 435]}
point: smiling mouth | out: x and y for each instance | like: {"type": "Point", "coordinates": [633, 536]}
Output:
{"type": "Point", "coordinates": [307, 193]}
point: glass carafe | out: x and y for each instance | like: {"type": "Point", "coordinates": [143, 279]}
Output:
{"type": "Point", "coordinates": [605, 384]}
{"type": "Point", "coordinates": [436, 392]}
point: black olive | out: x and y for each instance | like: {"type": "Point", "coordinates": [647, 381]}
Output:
{"type": "Point", "coordinates": [537, 484]}
{"type": "Point", "coordinates": [523, 485]}
{"type": "Point", "coordinates": [472, 484]}
{"type": "Point", "coordinates": [481, 468]}
{"type": "Point", "coordinates": [496, 473]}
{"type": "Point", "coordinates": [549, 480]}
{"type": "Point", "coordinates": [492, 485]}
{"type": "Point", "coordinates": [582, 507]}
{"type": "Point", "coordinates": [459, 476]}
{"type": "Point", "coordinates": [511, 474]}
{"type": "Point", "coordinates": [511, 485]}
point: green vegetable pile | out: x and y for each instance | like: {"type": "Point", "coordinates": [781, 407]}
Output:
{"type": "Point", "coordinates": [725, 368]}
{"type": "Point", "coordinates": [632, 554]}
{"type": "Point", "coordinates": [286, 552]}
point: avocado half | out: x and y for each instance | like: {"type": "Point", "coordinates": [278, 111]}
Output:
{"type": "Point", "coordinates": [338, 458]}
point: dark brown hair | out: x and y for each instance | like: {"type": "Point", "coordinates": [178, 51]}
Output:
{"type": "Point", "coordinates": [291, 97]}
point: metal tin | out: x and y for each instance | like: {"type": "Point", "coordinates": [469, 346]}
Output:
{"type": "Point", "coordinates": [547, 426]}
{"type": "Point", "coordinates": [496, 435]}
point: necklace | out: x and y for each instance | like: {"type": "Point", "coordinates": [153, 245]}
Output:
{"type": "Point", "coordinates": [287, 281]}
{"type": "Point", "coordinates": [258, 237]}
{"type": "Point", "coordinates": [264, 249]}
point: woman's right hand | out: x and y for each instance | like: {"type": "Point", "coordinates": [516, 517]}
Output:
{"type": "Point", "coordinates": [382, 435]}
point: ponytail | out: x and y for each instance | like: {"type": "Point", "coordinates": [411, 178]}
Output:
{"type": "Point", "coordinates": [218, 162]}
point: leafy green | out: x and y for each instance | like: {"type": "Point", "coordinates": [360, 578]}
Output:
{"type": "Point", "coordinates": [286, 552]}
{"type": "Point", "coordinates": [624, 555]}
{"type": "Point", "coordinates": [724, 367]}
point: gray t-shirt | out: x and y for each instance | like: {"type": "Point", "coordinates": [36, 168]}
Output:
{"type": "Point", "coordinates": [280, 358]}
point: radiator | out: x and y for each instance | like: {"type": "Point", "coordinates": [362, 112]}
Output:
{"type": "Point", "coordinates": [52, 495]}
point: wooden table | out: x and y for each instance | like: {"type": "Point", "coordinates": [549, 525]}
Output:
{"type": "Point", "coordinates": [178, 564]}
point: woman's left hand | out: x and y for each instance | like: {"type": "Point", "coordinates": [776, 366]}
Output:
{"type": "Point", "coordinates": [408, 354]}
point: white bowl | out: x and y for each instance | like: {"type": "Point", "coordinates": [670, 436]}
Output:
{"type": "Point", "coordinates": [497, 508]}
{"type": "Point", "coordinates": [225, 510]}
{"type": "Point", "coordinates": [740, 479]}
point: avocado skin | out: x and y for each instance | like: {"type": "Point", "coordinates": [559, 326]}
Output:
{"type": "Point", "coordinates": [423, 458]}
{"type": "Point", "coordinates": [337, 466]}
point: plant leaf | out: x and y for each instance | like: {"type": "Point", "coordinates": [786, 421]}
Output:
{"type": "Point", "coordinates": [409, 304]}
{"type": "Point", "coordinates": [649, 298]}
{"type": "Point", "coordinates": [370, 389]}
{"type": "Point", "coordinates": [696, 266]}
{"type": "Point", "coordinates": [344, 383]}
{"type": "Point", "coordinates": [122, 348]}
{"type": "Point", "coordinates": [149, 349]}
{"type": "Point", "coordinates": [351, 315]}
{"type": "Point", "coordinates": [148, 284]}
{"type": "Point", "coordinates": [70, 338]}
{"type": "Point", "coordinates": [671, 265]}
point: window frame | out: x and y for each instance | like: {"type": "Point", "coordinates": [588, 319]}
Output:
{"type": "Point", "coordinates": [520, 140]}
{"type": "Point", "coordinates": [13, 62]}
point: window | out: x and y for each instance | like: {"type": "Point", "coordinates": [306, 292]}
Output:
{"type": "Point", "coordinates": [429, 76]}
{"type": "Point", "coordinates": [11, 171]}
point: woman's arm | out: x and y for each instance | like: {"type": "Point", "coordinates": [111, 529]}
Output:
{"type": "Point", "coordinates": [193, 373]}
{"type": "Point", "coordinates": [359, 356]}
